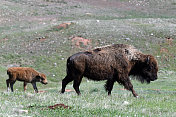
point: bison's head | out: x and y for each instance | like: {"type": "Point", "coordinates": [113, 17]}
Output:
{"type": "Point", "coordinates": [150, 69]}
{"type": "Point", "coordinates": [42, 78]}
{"type": "Point", "coordinates": [146, 70]}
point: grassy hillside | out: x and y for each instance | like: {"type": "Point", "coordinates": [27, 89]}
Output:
{"type": "Point", "coordinates": [29, 36]}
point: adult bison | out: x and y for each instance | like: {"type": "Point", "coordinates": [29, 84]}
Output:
{"type": "Point", "coordinates": [25, 74]}
{"type": "Point", "coordinates": [112, 63]}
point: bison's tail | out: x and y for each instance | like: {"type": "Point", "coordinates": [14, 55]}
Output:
{"type": "Point", "coordinates": [8, 72]}
{"type": "Point", "coordinates": [69, 65]}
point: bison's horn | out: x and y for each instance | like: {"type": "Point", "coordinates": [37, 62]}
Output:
{"type": "Point", "coordinates": [148, 59]}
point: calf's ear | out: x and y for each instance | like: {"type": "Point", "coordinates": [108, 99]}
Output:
{"type": "Point", "coordinates": [38, 76]}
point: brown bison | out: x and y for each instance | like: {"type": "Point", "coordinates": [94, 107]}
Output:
{"type": "Point", "coordinates": [25, 74]}
{"type": "Point", "coordinates": [112, 63]}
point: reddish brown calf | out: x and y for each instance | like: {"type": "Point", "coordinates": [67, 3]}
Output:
{"type": "Point", "coordinates": [25, 74]}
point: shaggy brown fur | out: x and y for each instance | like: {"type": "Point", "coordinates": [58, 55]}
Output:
{"type": "Point", "coordinates": [112, 63]}
{"type": "Point", "coordinates": [25, 74]}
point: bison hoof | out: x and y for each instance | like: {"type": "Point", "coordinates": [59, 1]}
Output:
{"type": "Point", "coordinates": [61, 92]}
{"type": "Point", "coordinates": [137, 96]}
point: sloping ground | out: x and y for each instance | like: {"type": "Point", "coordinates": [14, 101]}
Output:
{"type": "Point", "coordinates": [29, 34]}
{"type": "Point", "coordinates": [147, 8]}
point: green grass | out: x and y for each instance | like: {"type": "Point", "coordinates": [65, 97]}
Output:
{"type": "Point", "coordinates": [94, 101]}
{"type": "Point", "coordinates": [155, 99]}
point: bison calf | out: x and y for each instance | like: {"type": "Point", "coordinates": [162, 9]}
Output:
{"type": "Point", "coordinates": [113, 63]}
{"type": "Point", "coordinates": [25, 74]}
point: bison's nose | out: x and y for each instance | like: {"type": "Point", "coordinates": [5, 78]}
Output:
{"type": "Point", "coordinates": [155, 77]}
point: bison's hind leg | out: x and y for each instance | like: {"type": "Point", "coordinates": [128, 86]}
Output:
{"type": "Point", "coordinates": [76, 84]}
{"type": "Point", "coordinates": [109, 85]}
{"type": "Point", "coordinates": [65, 81]}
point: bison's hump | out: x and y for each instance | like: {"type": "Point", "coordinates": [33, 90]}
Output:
{"type": "Point", "coordinates": [128, 51]}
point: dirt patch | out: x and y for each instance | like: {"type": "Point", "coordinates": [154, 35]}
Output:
{"type": "Point", "coordinates": [80, 42]}
{"type": "Point", "coordinates": [42, 39]}
{"type": "Point", "coordinates": [69, 90]}
{"type": "Point", "coordinates": [42, 91]}
{"type": "Point", "coordinates": [169, 41]}
{"type": "Point", "coordinates": [59, 106]}
{"type": "Point", "coordinates": [4, 40]}
{"type": "Point", "coordinates": [64, 26]}
{"type": "Point", "coordinates": [56, 106]}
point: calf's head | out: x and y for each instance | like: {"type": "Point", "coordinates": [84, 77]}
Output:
{"type": "Point", "coordinates": [42, 78]}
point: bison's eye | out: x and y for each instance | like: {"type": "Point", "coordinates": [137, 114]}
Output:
{"type": "Point", "coordinates": [150, 68]}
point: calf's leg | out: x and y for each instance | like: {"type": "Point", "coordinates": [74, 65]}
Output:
{"type": "Point", "coordinates": [35, 86]}
{"type": "Point", "coordinates": [25, 86]}
{"type": "Point", "coordinates": [8, 82]}
{"type": "Point", "coordinates": [11, 85]}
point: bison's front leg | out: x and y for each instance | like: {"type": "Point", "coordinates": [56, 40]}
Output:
{"type": "Point", "coordinates": [35, 86]}
{"type": "Point", "coordinates": [109, 85]}
{"type": "Point", "coordinates": [129, 87]}
{"type": "Point", "coordinates": [127, 84]}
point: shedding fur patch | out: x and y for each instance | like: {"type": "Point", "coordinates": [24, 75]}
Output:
{"type": "Point", "coordinates": [129, 51]}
